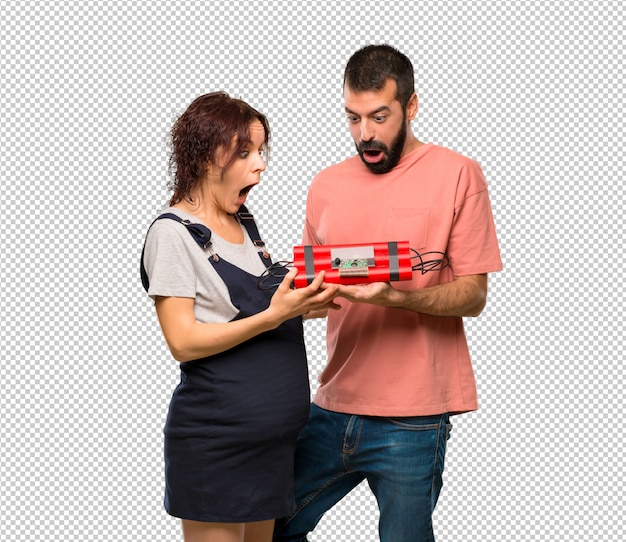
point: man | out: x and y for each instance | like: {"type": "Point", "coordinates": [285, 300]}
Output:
{"type": "Point", "coordinates": [398, 360]}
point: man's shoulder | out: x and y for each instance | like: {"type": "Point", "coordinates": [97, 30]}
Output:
{"type": "Point", "coordinates": [352, 165]}
{"type": "Point", "coordinates": [448, 155]}
{"type": "Point", "coordinates": [446, 163]}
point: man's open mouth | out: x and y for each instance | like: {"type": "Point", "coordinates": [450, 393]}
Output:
{"type": "Point", "coordinates": [373, 155]}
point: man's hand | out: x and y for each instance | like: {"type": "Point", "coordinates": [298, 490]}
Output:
{"type": "Point", "coordinates": [376, 293]}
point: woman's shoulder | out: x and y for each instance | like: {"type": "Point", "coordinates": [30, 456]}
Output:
{"type": "Point", "coordinates": [165, 231]}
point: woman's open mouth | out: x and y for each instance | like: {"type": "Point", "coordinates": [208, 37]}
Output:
{"type": "Point", "coordinates": [243, 194]}
{"type": "Point", "coordinates": [244, 191]}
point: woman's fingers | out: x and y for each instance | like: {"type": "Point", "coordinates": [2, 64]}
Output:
{"type": "Point", "coordinates": [317, 282]}
{"type": "Point", "coordinates": [285, 285]}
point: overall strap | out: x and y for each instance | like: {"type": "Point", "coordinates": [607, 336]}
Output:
{"type": "Point", "coordinates": [202, 236]}
{"type": "Point", "coordinates": [200, 233]}
{"type": "Point", "coordinates": [247, 221]}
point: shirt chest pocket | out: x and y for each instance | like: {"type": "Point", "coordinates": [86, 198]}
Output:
{"type": "Point", "coordinates": [409, 224]}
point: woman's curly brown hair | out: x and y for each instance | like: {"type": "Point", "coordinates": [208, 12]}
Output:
{"type": "Point", "coordinates": [209, 124]}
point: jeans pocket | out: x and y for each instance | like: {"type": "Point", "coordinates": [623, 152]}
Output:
{"type": "Point", "coordinates": [417, 423]}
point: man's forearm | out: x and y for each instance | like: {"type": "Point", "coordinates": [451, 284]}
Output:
{"type": "Point", "coordinates": [464, 296]}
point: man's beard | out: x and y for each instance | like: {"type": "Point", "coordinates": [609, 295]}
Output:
{"type": "Point", "coordinates": [393, 154]}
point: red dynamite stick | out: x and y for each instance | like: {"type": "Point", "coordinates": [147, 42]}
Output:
{"type": "Point", "coordinates": [353, 264]}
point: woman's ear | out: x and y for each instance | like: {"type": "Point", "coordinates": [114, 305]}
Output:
{"type": "Point", "coordinates": [212, 169]}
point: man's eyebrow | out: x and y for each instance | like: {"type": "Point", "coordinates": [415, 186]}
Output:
{"type": "Point", "coordinates": [382, 108]}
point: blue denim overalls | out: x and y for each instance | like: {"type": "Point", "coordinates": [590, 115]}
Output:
{"type": "Point", "coordinates": [234, 418]}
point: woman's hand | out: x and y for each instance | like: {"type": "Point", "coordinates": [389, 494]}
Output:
{"type": "Point", "coordinates": [288, 303]}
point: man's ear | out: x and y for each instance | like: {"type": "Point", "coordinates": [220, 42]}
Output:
{"type": "Point", "coordinates": [412, 107]}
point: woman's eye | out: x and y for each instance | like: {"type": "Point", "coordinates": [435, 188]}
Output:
{"type": "Point", "coordinates": [243, 154]}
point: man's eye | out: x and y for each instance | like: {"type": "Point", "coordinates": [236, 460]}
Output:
{"type": "Point", "coordinates": [380, 118]}
{"type": "Point", "coordinates": [353, 119]}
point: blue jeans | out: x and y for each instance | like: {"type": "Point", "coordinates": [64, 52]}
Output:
{"type": "Point", "coordinates": [401, 458]}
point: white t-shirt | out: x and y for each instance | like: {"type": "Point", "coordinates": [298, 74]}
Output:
{"type": "Point", "coordinates": [178, 267]}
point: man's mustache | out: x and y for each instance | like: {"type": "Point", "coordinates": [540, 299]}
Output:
{"type": "Point", "coordinates": [372, 146]}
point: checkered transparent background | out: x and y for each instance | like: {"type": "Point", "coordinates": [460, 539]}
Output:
{"type": "Point", "coordinates": [533, 90]}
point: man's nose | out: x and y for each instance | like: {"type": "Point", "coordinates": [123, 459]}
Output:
{"type": "Point", "coordinates": [367, 130]}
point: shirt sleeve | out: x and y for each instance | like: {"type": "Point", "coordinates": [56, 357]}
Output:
{"type": "Point", "coordinates": [473, 245]}
{"type": "Point", "coordinates": [168, 263]}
